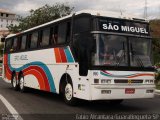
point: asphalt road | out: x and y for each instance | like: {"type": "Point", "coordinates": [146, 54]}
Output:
{"type": "Point", "coordinates": [38, 105]}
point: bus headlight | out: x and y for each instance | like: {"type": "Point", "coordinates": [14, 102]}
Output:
{"type": "Point", "coordinates": [152, 81]}
{"type": "Point", "coordinates": [149, 91]}
{"type": "Point", "coordinates": [149, 81]}
{"type": "Point", "coordinates": [106, 81]}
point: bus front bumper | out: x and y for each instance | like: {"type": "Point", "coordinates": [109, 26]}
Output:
{"type": "Point", "coordinates": [109, 92]}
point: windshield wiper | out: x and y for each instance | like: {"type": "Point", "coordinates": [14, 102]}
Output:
{"type": "Point", "coordinates": [138, 60]}
{"type": "Point", "coordinates": [122, 55]}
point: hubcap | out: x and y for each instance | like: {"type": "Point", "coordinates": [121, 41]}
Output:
{"type": "Point", "coordinates": [14, 82]}
{"type": "Point", "coordinates": [68, 91]}
{"type": "Point", "coordinates": [21, 83]}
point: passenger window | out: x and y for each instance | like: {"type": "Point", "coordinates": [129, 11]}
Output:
{"type": "Point", "coordinates": [23, 42]}
{"type": "Point", "coordinates": [34, 40]}
{"type": "Point", "coordinates": [45, 37]}
{"type": "Point", "coordinates": [68, 31]}
{"type": "Point", "coordinates": [54, 35]}
{"type": "Point", "coordinates": [15, 44]}
{"type": "Point", "coordinates": [62, 32]}
{"type": "Point", "coordinates": [9, 43]}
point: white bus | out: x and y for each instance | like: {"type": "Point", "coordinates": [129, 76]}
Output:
{"type": "Point", "coordinates": [90, 55]}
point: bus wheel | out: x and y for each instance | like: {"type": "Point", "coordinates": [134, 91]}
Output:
{"type": "Point", "coordinates": [21, 84]}
{"type": "Point", "coordinates": [68, 94]}
{"type": "Point", "coordinates": [14, 82]}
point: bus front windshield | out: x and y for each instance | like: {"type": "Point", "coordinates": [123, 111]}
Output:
{"type": "Point", "coordinates": [115, 50]}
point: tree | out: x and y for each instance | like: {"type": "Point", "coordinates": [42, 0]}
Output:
{"type": "Point", "coordinates": [155, 33]}
{"type": "Point", "coordinates": [41, 15]}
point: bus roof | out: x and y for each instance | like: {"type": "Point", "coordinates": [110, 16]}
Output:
{"type": "Point", "coordinates": [92, 12]}
{"type": "Point", "coordinates": [109, 14]}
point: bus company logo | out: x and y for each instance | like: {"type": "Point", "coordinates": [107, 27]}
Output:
{"type": "Point", "coordinates": [129, 81]}
{"type": "Point", "coordinates": [21, 57]}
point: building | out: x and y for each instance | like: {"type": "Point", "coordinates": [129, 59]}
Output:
{"type": "Point", "coordinates": [6, 18]}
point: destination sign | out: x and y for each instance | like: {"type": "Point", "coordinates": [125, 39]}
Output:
{"type": "Point", "coordinates": [124, 26]}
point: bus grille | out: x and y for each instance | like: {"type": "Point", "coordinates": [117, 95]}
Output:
{"type": "Point", "coordinates": [127, 81]}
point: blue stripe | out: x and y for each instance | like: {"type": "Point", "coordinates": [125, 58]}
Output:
{"type": "Point", "coordinates": [40, 64]}
{"type": "Point", "coordinates": [68, 55]}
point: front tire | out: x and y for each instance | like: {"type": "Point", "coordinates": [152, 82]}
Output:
{"type": "Point", "coordinates": [68, 94]}
{"type": "Point", "coordinates": [14, 82]}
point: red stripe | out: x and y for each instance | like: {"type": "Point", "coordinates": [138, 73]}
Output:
{"type": "Point", "coordinates": [138, 75]}
{"type": "Point", "coordinates": [106, 72]}
{"type": "Point", "coordinates": [57, 55]}
{"type": "Point", "coordinates": [38, 77]}
{"type": "Point", "coordinates": [5, 59]}
{"type": "Point", "coordinates": [8, 72]}
{"type": "Point", "coordinates": [34, 70]}
{"type": "Point", "coordinates": [42, 73]}
{"type": "Point", "coordinates": [63, 56]}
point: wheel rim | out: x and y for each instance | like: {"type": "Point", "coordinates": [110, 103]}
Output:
{"type": "Point", "coordinates": [68, 91]}
{"type": "Point", "coordinates": [21, 83]}
{"type": "Point", "coordinates": [14, 82]}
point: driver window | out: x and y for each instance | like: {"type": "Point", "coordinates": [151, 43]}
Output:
{"type": "Point", "coordinates": [112, 50]}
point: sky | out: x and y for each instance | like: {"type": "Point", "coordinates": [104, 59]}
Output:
{"type": "Point", "coordinates": [135, 7]}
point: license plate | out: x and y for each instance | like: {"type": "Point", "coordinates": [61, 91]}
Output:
{"type": "Point", "coordinates": [129, 90]}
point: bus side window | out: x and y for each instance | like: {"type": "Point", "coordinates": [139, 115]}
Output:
{"type": "Point", "coordinates": [68, 31]}
{"type": "Point", "coordinates": [82, 43]}
{"type": "Point", "coordinates": [33, 40]}
{"type": "Point", "coordinates": [81, 27]}
{"type": "Point", "coordinates": [45, 35]}
{"type": "Point", "coordinates": [19, 43]}
{"type": "Point", "coordinates": [23, 42]}
{"type": "Point", "coordinates": [54, 35]}
{"type": "Point", "coordinates": [8, 45]}
{"type": "Point", "coordinates": [15, 44]}
{"type": "Point", "coordinates": [29, 40]}
{"type": "Point", "coordinates": [62, 32]}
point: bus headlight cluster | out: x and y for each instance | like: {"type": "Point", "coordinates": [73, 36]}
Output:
{"type": "Point", "coordinates": [106, 81]}
{"type": "Point", "coordinates": [149, 91]}
{"type": "Point", "coordinates": [149, 81]}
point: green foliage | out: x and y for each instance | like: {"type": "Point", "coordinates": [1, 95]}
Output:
{"type": "Point", "coordinates": [157, 78]}
{"type": "Point", "coordinates": [155, 32]}
{"type": "Point", "coordinates": [41, 15]}
{"type": "Point", "coordinates": [155, 25]}
{"type": "Point", "coordinates": [156, 50]}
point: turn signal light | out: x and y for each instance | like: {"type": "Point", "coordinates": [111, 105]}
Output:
{"type": "Point", "coordinates": [96, 80]}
